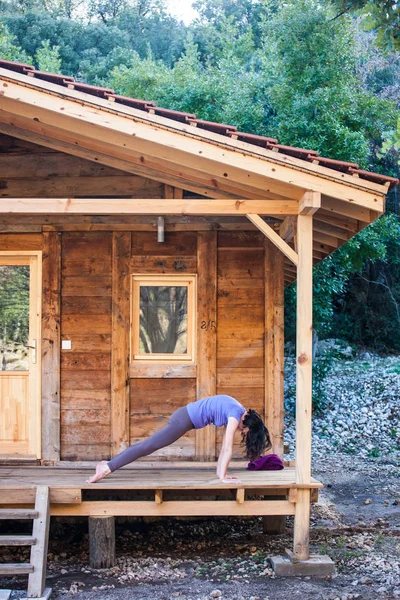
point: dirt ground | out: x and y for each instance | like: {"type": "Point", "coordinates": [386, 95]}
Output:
{"type": "Point", "coordinates": [356, 522]}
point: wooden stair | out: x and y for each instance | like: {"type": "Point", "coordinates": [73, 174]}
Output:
{"type": "Point", "coordinates": [38, 541]}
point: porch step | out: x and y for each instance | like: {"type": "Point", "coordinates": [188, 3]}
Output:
{"type": "Point", "coordinates": [16, 568]}
{"type": "Point", "coordinates": [38, 541]}
{"type": "Point", "coordinates": [7, 514]}
{"type": "Point", "coordinates": [17, 540]}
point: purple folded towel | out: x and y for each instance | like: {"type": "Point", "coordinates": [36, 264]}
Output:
{"type": "Point", "coordinates": [270, 462]}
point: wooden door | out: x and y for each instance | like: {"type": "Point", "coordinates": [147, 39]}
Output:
{"type": "Point", "coordinates": [20, 383]}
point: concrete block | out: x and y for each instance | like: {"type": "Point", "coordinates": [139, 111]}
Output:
{"type": "Point", "coordinates": [316, 566]}
{"type": "Point", "coordinates": [45, 595]}
{"type": "Point", "coordinates": [5, 594]}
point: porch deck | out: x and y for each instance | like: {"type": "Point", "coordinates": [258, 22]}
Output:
{"type": "Point", "coordinates": [154, 489]}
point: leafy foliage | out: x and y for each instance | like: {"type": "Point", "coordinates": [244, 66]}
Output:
{"type": "Point", "coordinates": [48, 59]}
{"type": "Point", "coordinates": [14, 300]}
{"type": "Point", "coordinates": [303, 71]}
{"type": "Point", "coordinates": [382, 16]}
{"type": "Point", "coordinates": [8, 48]}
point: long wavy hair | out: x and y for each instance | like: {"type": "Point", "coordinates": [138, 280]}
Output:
{"type": "Point", "coordinates": [257, 440]}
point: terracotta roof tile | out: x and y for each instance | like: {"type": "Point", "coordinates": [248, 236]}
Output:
{"type": "Point", "coordinates": [295, 152]}
{"type": "Point", "coordinates": [251, 138]}
{"type": "Point", "coordinates": [15, 66]}
{"type": "Point", "coordinates": [219, 128]}
{"type": "Point", "coordinates": [132, 102]}
{"type": "Point", "coordinates": [176, 115]}
{"type": "Point", "coordinates": [337, 165]}
{"type": "Point", "coordinates": [375, 177]}
{"type": "Point", "coordinates": [93, 90]}
{"type": "Point", "coordinates": [51, 77]}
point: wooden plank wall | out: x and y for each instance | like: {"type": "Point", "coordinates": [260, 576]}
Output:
{"type": "Point", "coordinates": [86, 369]}
{"type": "Point", "coordinates": [87, 261]}
{"type": "Point", "coordinates": [51, 346]}
{"type": "Point", "coordinates": [240, 321]}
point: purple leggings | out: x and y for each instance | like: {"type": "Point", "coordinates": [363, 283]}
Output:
{"type": "Point", "coordinates": [179, 423]}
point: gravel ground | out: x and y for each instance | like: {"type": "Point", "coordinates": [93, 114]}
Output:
{"type": "Point", "coordinates": [360, 399]}
{"type": "Point", "coordinates": [356, 522]}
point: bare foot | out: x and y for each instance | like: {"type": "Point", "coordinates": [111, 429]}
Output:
{"type": "Point", "coordinates": [231, 479]}
{"type": "Point", "coordinates": [102, 470]}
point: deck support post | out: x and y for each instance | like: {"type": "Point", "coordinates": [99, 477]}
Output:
{"type": "Point", "coordinates": [273, 525]}
{"type": "Point", "coordinates": [102, 542]}
{"type": "Point", "coordinates": [303, 384]}
{"type": "Point", "coordinates": [300, 562]}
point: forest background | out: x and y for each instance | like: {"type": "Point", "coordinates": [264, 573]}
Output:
{"type": "Point", "coordinates": [318, 75]}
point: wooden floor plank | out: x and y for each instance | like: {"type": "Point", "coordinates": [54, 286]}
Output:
{"type": "Point", "coordinates": [63, 481]}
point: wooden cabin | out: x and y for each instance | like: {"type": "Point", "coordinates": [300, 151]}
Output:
{"type": "Point", "coordinates": [151, 250]}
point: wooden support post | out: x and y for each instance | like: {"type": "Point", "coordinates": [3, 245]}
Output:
{"type": "Point", "coordinates": [274, 345]}
{"type": "Point", "coordinates": [51, 342]}
{"type": "Point", "coordinates": [240, 495]}
{"type": "Point", "coordinates": [273, 525]}
{"type": "Point", "coordinates": [206, 335]}
{"type": "Point", "coordinates": [303, 384]}
{"type": "Point", "coordinates": [102, 542]}
{"type": "Point", "coordinates": [172, 192]}
{"type": "Point", "coordinates": [158, 496]}
{"type": "Point", "coordinates": [121, 253]}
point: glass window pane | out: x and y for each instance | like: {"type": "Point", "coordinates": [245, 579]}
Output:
{"type": "Point", "coordinates": [163, 319]}
{"type": "Point", "coordinates": [14, 318]}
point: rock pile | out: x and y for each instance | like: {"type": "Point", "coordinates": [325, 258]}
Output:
{"type": "Point", "coordinates": [360, 413]}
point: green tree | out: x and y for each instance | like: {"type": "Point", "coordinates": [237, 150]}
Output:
{"type": "Point", "coordinates": [316, 100]}
{"type": "Point", "coordinates": [8, 48]}
{"type": "Point", "coordinates": [382, 16]}
{"type": "Point", "coordinates": [48, 59]}
{"type": "Point", "coordinates": [228, 91]}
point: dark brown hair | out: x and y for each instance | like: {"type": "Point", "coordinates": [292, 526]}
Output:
{"type": "Point", "coordinates": [257, 440]}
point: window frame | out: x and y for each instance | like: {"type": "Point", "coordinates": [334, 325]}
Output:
{"type": "Point", "coordinates": [163, 280]}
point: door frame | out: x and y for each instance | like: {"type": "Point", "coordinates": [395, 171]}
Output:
{"type": "Point", "coordinates": [33, 258]}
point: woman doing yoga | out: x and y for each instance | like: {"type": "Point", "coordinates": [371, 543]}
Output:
{"type": "Point", "coordinates": [217, 410]}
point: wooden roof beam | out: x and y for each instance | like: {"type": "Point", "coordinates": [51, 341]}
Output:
{"type": "Point", "coordinates": [146, 206]}
{"type": "Point", "coordinates": [273, 237]}
{"type": "Point", "coordinates": [309, 203]}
